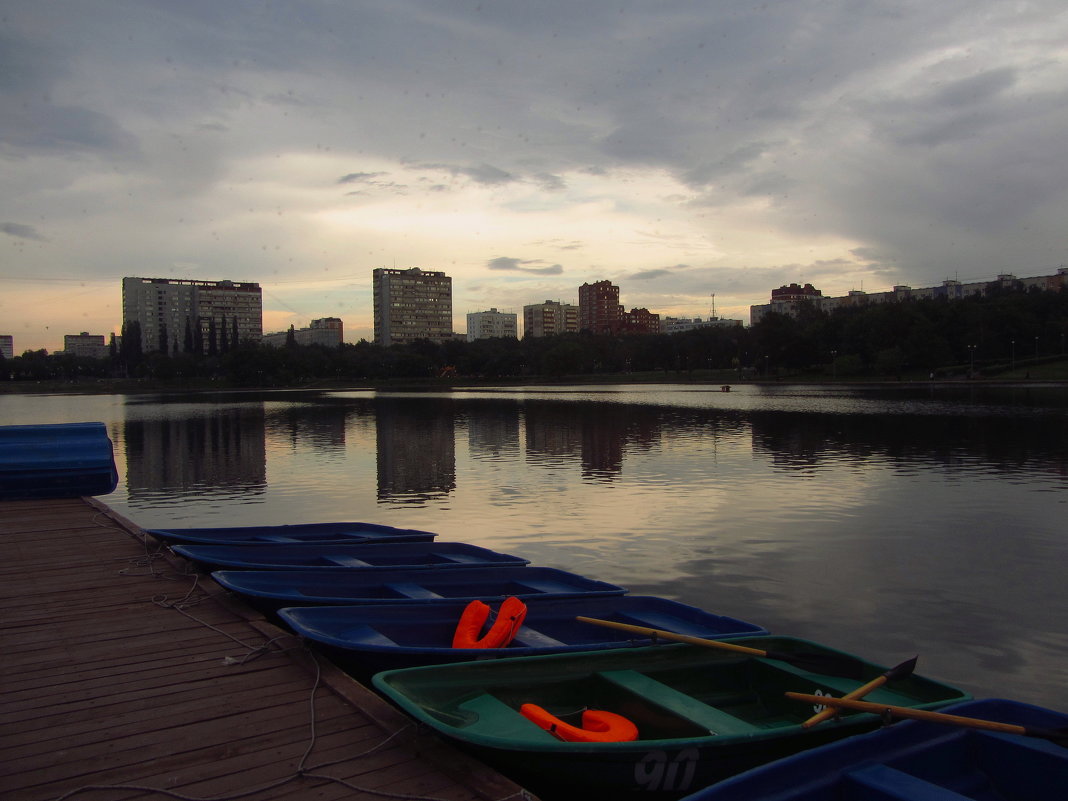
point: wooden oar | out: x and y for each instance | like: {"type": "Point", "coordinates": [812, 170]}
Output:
{"type": "Point", "coordinates": [1059, 736]}
{"type": "Point", "coordinates": [826, 664]}
{"type": "Point", "coordinates": [896, 672]}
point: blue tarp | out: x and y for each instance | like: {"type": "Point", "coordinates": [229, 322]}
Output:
{"type": "Point", "coordinates": [65, 460]}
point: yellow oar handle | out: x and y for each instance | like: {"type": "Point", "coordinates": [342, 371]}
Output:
{"type": "Point", "coordinates": [860, 692]}
{"type": "Point", "coordinates": [909, 712]}
{"type": "Point", "coordinates": [670, 635]}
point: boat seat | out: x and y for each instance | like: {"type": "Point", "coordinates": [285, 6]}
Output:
{"type": "Point", "coordinates": [651, 619]}
{"type": "Point", "coordinates": [347, 561]}
{"type": "Point", "coordinates": [497, 718]}
{"type": "Point", "coordinates": [532, 638]}
{"type": "Point", "coordinates": [882, 783]}
{"type": "Point", "coordinates": [409, 589]}
{"type": "Point", "coordinates": [839, 684]}
{"type": "Point", "coordinates": [368, 635]}
{"type": "Point", "coordinates": [685, 706]}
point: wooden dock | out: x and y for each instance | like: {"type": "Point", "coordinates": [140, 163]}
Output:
{"type": "Point", "coordinates": [122, 675]}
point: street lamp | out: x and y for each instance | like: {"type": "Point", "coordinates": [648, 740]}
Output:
{"type": "Point", "coordinates": [834, 364]}
{"type": "Point", "coordinates": [1012, 354]}
{"type": "Point", "coordinates": [971, 349]}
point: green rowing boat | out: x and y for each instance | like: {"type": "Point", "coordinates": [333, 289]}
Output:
{"type": "Point", "coordinates": [701, 714]}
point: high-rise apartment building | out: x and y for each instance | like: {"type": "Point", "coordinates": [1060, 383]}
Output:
{"type": "Point", "coordinates": [411, 304]}
{"type": "Point", "coordinates": [550, 318]}
{"type": "Point", "coordinates": [179, 315]}
{"type": "Point", "coordinates": [599, 309]}
{"type": "Point", "coordinates": [492, 324]}
{"type": "Point", "coordinates": [7, 346]}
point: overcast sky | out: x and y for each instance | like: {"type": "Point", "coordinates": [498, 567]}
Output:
{"type": "Point", "coordinates": [679, 149]}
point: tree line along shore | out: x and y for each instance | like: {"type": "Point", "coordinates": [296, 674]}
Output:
{"type": "Point", "coordinates": [1004, 336]}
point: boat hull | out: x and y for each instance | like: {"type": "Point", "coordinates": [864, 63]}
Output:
{"type": "Point", "coordinates": [361, 557]}
{"type": "Point", "coordinates": [64, 460]}
{"type": "Point", "coordinates": [390, 636]}
{"type": "Point", "coordinates": [268, 590]}
{"type": "Point", "coordinates": [702, 714]}
{"type": "Point", "coordinates": [918, 759]}
{"type": "Point", "coordinates": [322, 533]}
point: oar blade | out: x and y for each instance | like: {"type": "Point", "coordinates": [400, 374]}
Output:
{"type": "Point", "coordinates": [906, 668]}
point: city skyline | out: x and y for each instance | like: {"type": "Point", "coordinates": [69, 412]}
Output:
{"type": "Point", "coordinates": [679, 151]}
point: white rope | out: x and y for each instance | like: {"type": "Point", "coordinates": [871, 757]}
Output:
{"type": "Point", "coordinates": [302, 771]}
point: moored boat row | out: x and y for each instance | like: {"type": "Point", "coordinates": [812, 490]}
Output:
{"type": "Point", "coordinates": [584, 693]}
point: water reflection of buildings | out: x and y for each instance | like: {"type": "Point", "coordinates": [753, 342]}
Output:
{"type": "Point", "coordinates": [416, 443]}
{"type": "Point", "coordinates": [953, 441]}
{"type": "Point", "coordinates": [493, 432]}
{"type": "Point", "coordinates": [216, 452]}
{"type": "Point", "coordinates": [553, 433]}
{"type": "Point", "coordinates": [318, 427]}
{"type": "Point", "coordinates": [598, 435]}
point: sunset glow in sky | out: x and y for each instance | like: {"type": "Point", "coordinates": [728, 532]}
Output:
{"type": "Point", "coordinates": [681, 150]}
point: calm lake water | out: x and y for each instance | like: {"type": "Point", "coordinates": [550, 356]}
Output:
{"type": "Point", "coordinates": [886, 522]}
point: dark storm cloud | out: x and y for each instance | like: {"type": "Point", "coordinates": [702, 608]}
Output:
{"type": "Point", "coordinates": [507, 264]}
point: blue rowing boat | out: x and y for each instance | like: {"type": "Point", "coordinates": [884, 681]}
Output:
{"type": "Point", "coordinates": [64, 460]}
{"type": "Point", "coordinates": [919, 760]}
{"type": "Point", "coordinates": [322, 533]}
{"type": "Point", "coordinates": [388, 636]}
{"type": "Point", "coordinates": [371, 556]}
{"type": "Point", "coordinates": [268, 590]}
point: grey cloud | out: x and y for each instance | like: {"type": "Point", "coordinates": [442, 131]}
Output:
{"type": "Point", "coordinates": [485, 174]}
{"type": "Point", "coordinates": [32, 121]}
{"type": "Point", "coordinates": [359, 177]}
{"type": "Point", "coordinates": [659, 272]}
{"type": "Point", "coordinates": [551, 183]}
{"type": "Point", "coordinates": [508, 264]}
{"type": "Point", "coordinates": [974, 89]}
{"type": "Point", "coordinates": [648, 275]}
{"type": "Point", "coordinates": [480, 173]}
{"type": "Point", "coordinates": [21, 231]}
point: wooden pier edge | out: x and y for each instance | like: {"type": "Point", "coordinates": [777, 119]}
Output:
{"type": "Point", "coordinates": [475, 776]}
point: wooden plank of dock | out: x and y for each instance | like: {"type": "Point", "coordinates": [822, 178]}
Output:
{"type": "Point", "coordinates": [122, 675]}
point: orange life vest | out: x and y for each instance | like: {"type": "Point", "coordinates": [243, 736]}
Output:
{"type": "Point", "coordinates": [504, 628]}
{"type": "Point", "coordinates": [598, 725]}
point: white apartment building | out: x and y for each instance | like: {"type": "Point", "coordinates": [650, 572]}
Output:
{"type": "Point", "coordinates": [492, 324]}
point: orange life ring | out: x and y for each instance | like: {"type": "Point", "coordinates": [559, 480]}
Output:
{"type": "Point", "coordinates": [598, 725]}
{"type": "Point", "coordinates": [504, 628]}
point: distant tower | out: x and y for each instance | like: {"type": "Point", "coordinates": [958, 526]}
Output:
{"type": "Point", "coordinates": [411, 304]}
{"type": "Point", "coordinates": [599, 309]}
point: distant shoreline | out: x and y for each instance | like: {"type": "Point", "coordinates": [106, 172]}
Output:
{"type": "Point", "coordinates": [135, 387]}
